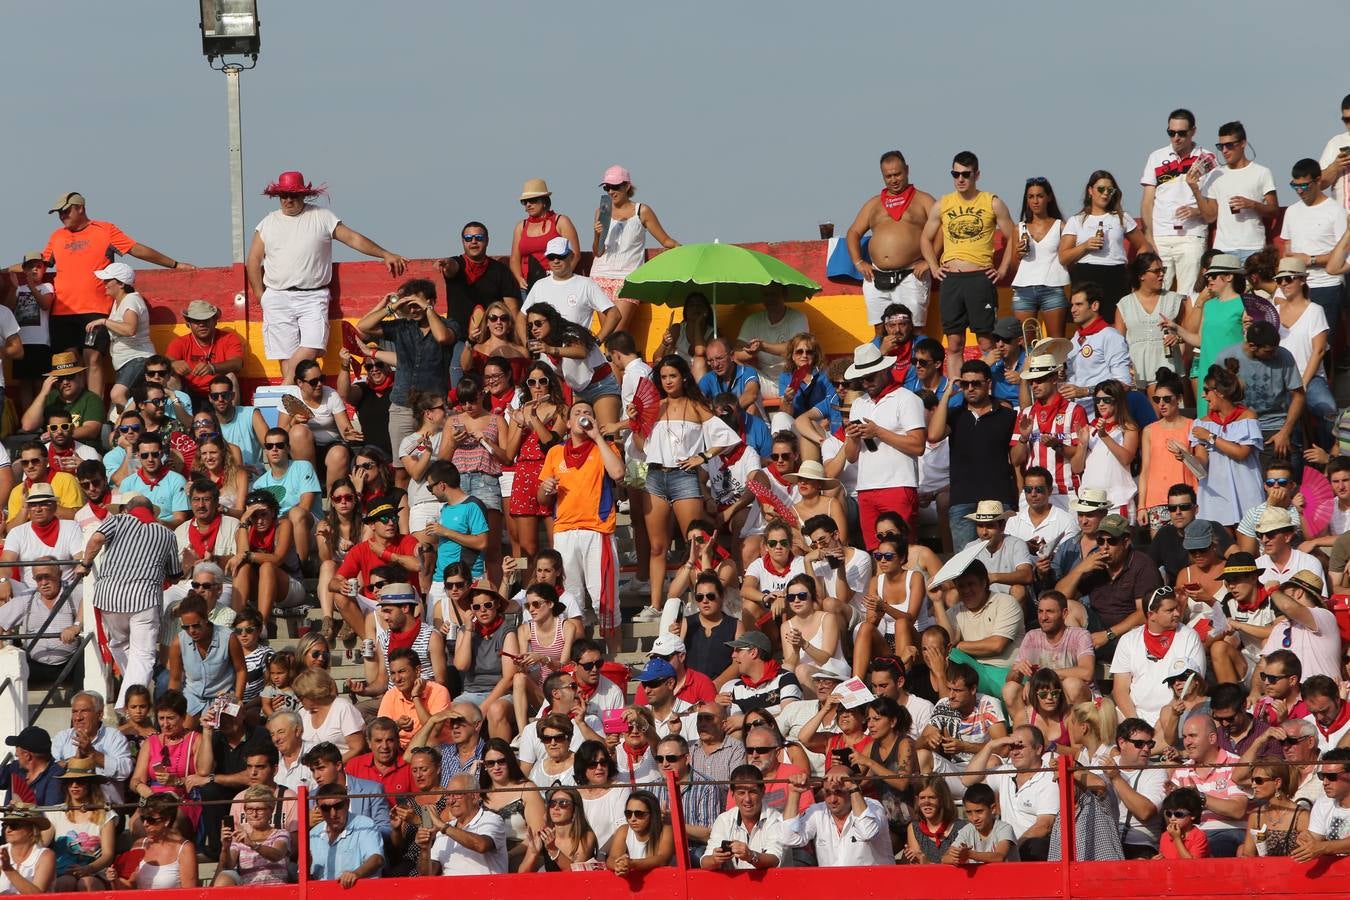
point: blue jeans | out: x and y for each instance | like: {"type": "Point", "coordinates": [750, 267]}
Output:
{"type": "Point", "coordinates": [1319, 399]}
{"type": "Point", "coordinates": [1037, 298]}
{"type": "Point", "coordinates": [963, 529]}
{"type": "Point", "coordinates": [673, 484]}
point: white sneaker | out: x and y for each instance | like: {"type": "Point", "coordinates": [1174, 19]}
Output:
{"type": "Point", "coordinates": [648, 614]}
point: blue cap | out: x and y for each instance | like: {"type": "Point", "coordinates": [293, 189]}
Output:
{"type": "Point", "coordinates": [657, 670]}
{"type": "Point", "coordinates": [1199, 535]}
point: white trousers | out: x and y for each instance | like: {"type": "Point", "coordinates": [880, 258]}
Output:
{"type": "Point", "coordinates": [1180, 255]}
{"type": "Point", "coordinates": [591, 567]}
{"type": "Point", "coordinates": [133, 639]}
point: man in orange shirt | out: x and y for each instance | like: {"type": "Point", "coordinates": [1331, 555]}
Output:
{"type": "Point", "coordinates": [582, 473]}
{"type": "Point", "coordinates": [77, 249]}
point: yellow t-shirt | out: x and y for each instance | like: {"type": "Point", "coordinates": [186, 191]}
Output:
{"type": "Point", "coordinates": [968, 228]}
{"type": "Point", "coordinates": [64, 485]}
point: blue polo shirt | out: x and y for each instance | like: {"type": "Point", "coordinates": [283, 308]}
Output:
{"type": "Point", "coordinates": [358, 842]}
{"type": "Point", "coordinates": [169, 494]}
{"type": "Point", "coordinates": [742, 375]}
{"type": "Point", "coordinates": [1003, 390]}
{"type": "Point", "coordinates": [298, 479]}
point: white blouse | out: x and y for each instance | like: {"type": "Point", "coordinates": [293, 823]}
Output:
{"type": "Point", "coordinates": [675, 440]}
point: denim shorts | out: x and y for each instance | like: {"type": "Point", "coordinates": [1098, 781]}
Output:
{"type": "Point", "coordinates": [605, 387]}
{"type": "Point", "coordinates": [1038, 298]}
{"type": "Point", "coordinates": [486, 488]}
{"type": "Point", "coordinates": [673, 484]}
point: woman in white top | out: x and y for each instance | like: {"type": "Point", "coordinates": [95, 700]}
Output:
{"type": "Point", "coordinates": [642, 842]}
{"type": "Point", "coordinates": [1038, 286]}
{"type": "Point", "coordinates": [896, 603]}
{"type": "Point", "coordinates": [811, 637]}
{"type": "Point", "coordinates": [764, 585]}
{"type": "Point", "coordinates": [326, 716]}
{"type": "Point", "coordinates": [684, 438]}
{"type": "Point", "coordinates": [1112, 439]}
{"type": "Point", "coordinates": [128, 324]}
{"type": "Point", "coordinates": [1093, 245]}
{"type": "Point", "coordinates": [318, 424]}
{"type": "Point", "coordinates": [555, 766]}
{"type": "Point", "coordinates": [417, 451]}
{"type": "Point", "coordinates": [1147, 316]}
{"type": "Point", "coordinates": [572, 352]}
{"type": "Point", "coordinates": [602, 797]}
{"type": "Point", "coordinates": [169, 861]}
{"type": "Point", "coordinates": [26, 867]}
{"type": "Point", "coordinates": [1303, 332]}
{"type": "Point", "coordinates": [619, 248]}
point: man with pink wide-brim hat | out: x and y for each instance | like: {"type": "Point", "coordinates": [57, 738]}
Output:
{"type": "Point", "coordinates": [290, 265]}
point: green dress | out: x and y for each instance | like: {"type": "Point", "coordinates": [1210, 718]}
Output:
{"type": "Point", "coordinates": [1220, 328]}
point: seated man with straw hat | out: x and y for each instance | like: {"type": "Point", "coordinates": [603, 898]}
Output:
{"type": "Point", "coordinates": [1008, 559]}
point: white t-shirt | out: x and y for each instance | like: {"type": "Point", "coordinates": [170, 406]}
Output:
{"type": "Point", "coordinates": [935, 468]}
{"type": "Point", "coordinates": [299, 248]}
{"type": "Point", "coordinates": [1329, 154]}
{"type": "Point", "coordinates": [1314, 230]}
{"type": "Point", "coordinates": [857, 573]}
{"type": "Point", "coordinates": [1021, 807]}
{"type": "Point", "coordinates": [457, 859]}
{"type": "Point", "coordinates": [1166, 173]}
{"type": "Point", "coordinates": [1242, 230]}
{"type": "Point", "coordinates": [1058, 526]}
{"type": "Point", "coordinates": [1298, 338]}
{"type": "Point", "coordinates": [342, 720]}
{"type": "Point", "coordinates": [34, 328]}
{"type": "Point", "coordinates": [1330, 820]}
{"type": "Point", "coordinates": [920, 711]}
{"type": "Point", "coordinates": [322, 420]}
{"type": "Point", "coordinates": [1152, 783]}
{"type": "Point", "coordinates": [1147, 689]}
{"type": "Point", "coordinates": [1112, 253]}
{"type": "Point", "coordinates": [9, 326]}
{"type": "Point", "coordinates": [24, 544]}
{"type": "Point", "coordinates": [900, 411]}
{"type": "Point", "coordinates": [848, 477]}
{"type": "Point", "coordinates": [770, 583]}
{"type": "Point", "coordinates": [576, 299]}
{"type": "Point", "coordinates": [137, 345]}
{"type": "Point", "coordinates": [418, 492]}
{"type": "Point", "coordinates": [770, 365]}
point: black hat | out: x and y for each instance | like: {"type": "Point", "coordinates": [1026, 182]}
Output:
{"type": "Point", "coordinates": [33, 739]}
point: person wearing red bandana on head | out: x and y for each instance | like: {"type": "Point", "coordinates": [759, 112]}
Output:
{"type": "Point", "coordinates": [1147, 656]}
{"type": "Point", "coordinates": [761, 683]}
{"type": "Point", "coordinates": [885, 436]}
{"type": "Point", "coordinates": [894, 270]}
{"type": "Point", "coordinates": [1100, 353]}
{"type": "Point", "coordinates": [42, 535]}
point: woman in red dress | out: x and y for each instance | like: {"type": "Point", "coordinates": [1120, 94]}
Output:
{"type": "Point", "coordinates": [539, 422]}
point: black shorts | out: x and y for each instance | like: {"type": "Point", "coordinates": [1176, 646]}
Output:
{"type": "Point", "coordinates": [36, 363]}
{"type": "Point", "coordinates": [968, 300]}
{"type": "Point", "coordinates": [68, 333]}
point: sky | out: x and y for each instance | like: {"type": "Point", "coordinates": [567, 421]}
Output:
{"type": "Point", "coordinates": [740, 121]}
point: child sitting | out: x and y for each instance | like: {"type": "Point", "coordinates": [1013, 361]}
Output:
{"type": "Point", "coordinates": [277, 695]}
{"type": "Point", "coordinates": [1183, 838]}
{"type": "Point", "coordinates": [985, 837]}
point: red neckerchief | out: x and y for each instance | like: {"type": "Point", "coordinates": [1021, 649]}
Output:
{"type": "Point", "coordinates": [474, 269]}
{"type": "Point", "coordinates": [264, 541]}
{"type": "Point", "coordinates": [632, 757]}
{"type": "Point", "coordinates": [486, 631]}
{"type": "Point", "coordinates": [896, 204]}
{"type": "Point", "coordinates": [585, 693]}
{"type": "Point", "coordinates": [47, 533]}
{"type": "Point", "coordinates": [720, 556]}
{"type": "Point", "coordinates": [1087, 331]}
{"type": "Point", "coordinates": [376, 389]}
{"type": "Point", "coordinates": [404, 639]}
{"type": "Point", "coordinates": [900, 371]}
{"type": "Point", "coordinates": [1257, 602]}
{"type": "Point", "coordinates": [203, 542]}
{"type": "Point", "coordinates": [141, 514]}
{"type": "Point", "coordinates": [1225, 421]}
{"type": "Point", "coordinates": [1046, 413]}
{"type": "Point", "coordinates": [773, 470]}
{"type": "Point", "coordinates": [1341, 718]}
{"type": "Point", "coordinates": [45, 479]}
{"type": "Point", "coordinates": [99, 509]}
{"type": "Point", "coordinates": [771, 671]}
{"type": "Point", "coordinates": [888, 389]}
{"type": "Point", "coordinates": [575, 456]}
{"type": "Point", "coordinates": [150, 481]}
{"type": "Point", "coordinates": [55, 456]}
{"type": "Point", "coordinates": [1157, 645]}
{"type": "Point", "coordinates": [730, 457]}
{"type": "Point", "coordinates": [768, 566]}
{"type": "Point", "coordinates": [500, 404]}
{"type": "Point", "coordinates": [937, 836]}
{"type": "Point", "coordinates": [369, 493]}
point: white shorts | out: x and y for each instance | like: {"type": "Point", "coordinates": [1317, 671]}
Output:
{"type": "Point", "coordinates": [294, 319]}
{"type": "Point", "coordinates": [423, 514]}
{"type": "Point", "coordinates": [911, 291]}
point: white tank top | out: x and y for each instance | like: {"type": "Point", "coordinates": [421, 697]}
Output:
{"type": "Point", "coordinates": [925, 617]}
{"type": "Point", "coordinates": [27, 867]}
{"type": "Point", "coordinates": [636, 849]}
{"type": "Point", "coordinates": [1041, 265]}
{"type": "Point", "coordinates": [625, 245]}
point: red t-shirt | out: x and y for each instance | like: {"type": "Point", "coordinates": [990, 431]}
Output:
{"type": "Point", "coordinates": [396, 781]}
{"type": "Point", "coordinates": [225, 345]}
{"type": "Point", "coordinates": [361, 559]}
{"type": "Point", "coordinates": [77, 255]}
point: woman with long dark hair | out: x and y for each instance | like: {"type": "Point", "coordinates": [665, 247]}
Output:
{"type": "Point", "coordinates": [574, 354]}
{"type": "Point", "coordinates": [1148, 316]}
{"type": "Point", "coordinates": [512, 796]}
{"type": "Point", "coordinates": [1038, 286]}
{"type": "Point", "coordinates": [337, 532]}
{"type": "Point", "coordinates": [538, 422]}
{"type": "Point", "coordinates": [566, 842]}
{"type": "Point", "coordinates": [1112, 442]}
{"type": "Point", "coordinates": [1161, 450]}
{"type": "Point", "coordinates": [1093, 245]}
{"type": "Point", "coordinates": [642, 842]}
{"type": "Point", "coordinates": [690, 336]}
{"type": "Point", "coordinates": [417, 451]}
{"type": "Point", "coordinates": [685, 437]}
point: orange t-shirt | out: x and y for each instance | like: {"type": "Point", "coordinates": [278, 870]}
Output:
{"type": "Point", "coordinates": [435, 697]}
{"type": "Point", "coordinates": [77, 255]}
{"type": "Point", "coordinates": [585, 498]}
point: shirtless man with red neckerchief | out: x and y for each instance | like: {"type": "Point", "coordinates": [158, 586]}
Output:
{"type": "Point", "coordinates": [897, 272]}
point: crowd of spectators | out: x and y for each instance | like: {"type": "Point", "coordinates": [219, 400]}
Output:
{"type": "Point", "coordinates": [889, 592]}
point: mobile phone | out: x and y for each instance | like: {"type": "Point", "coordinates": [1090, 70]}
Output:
{"type": "Point", "coordinates": [613, 722]}
{"type": "Point", "coordinates": [228, 822]}
{"type": "Point", "coordinates": [726, 846]}
{"type": "Point", "coordinates": [427, 821]}
{"type": "Point", "coordinates": [842, 754]}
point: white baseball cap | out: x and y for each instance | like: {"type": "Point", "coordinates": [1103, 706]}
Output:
{"type": "Point", "coordinates": [667, 644]}
{"type": "Point", "coordinates": [117, 271]}
{"type": "Point", "coordinates": [559, 246]}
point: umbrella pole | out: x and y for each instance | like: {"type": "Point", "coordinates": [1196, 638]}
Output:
{"type": "Point", "coordinates": [714, 310]}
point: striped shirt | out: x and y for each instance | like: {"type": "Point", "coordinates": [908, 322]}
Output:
{"type": "Point", "coordinates": [700, 799]}
{"type": "Point", "coordinates": [421, 645]}
{"type": "Point", "coordinates": [136, 559]}
{"type": "Point", "coordinates": [1064, 420]}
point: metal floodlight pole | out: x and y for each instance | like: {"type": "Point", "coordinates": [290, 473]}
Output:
{"type": "Point", "coordinates": [235, 149]}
